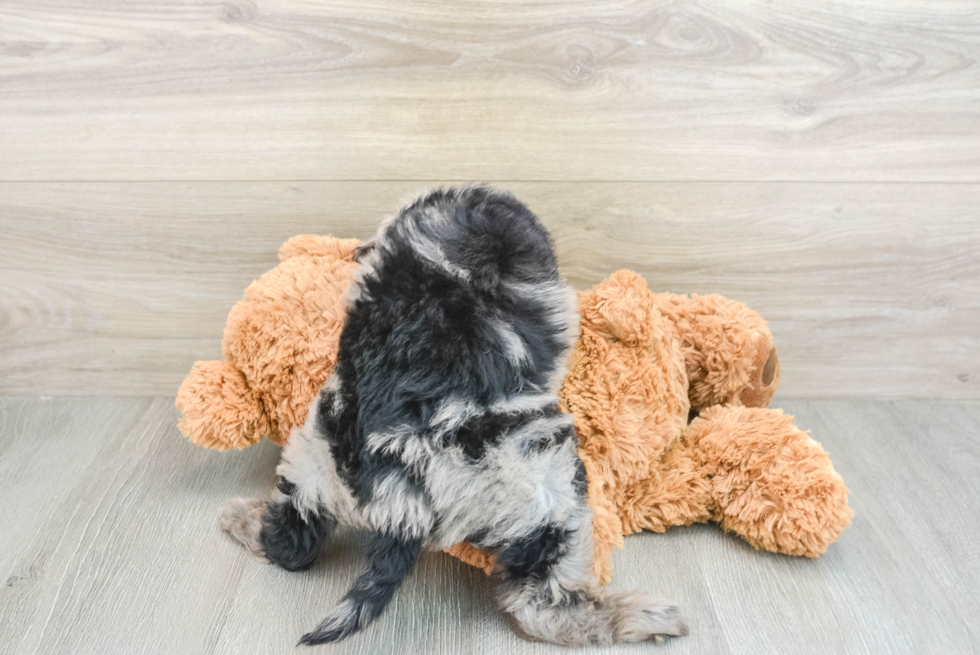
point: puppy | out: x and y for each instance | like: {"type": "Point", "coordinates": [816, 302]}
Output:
{"type": "Point", "coordinates": [441, 424]}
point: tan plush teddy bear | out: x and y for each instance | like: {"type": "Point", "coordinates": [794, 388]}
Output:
{"type": "Point", "coordinates": [643, 362]}
{"type": "Point", "coordinates": [280, 344]}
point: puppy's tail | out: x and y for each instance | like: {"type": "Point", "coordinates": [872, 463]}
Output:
{"type": "Point", "coordinates": [390, 560]}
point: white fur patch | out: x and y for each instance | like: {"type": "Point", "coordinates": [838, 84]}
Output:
{"type": "Point", "coordinates": [514, 348]}
{"type": "Point", "coordinates": [389, 442]}
{"type": "Point", "coordinates": [308, 464]}
{"type": "Point", "coordinates": [524, 403]}
{"type": "Point", "coordinates": [452, 413]}
{"type": "Point", "coordinates": [538, 429]}
{"type": "Point", "coordinates": [509, 492]}
{"type": "Point", "coordinates": [398, 508]}
{"type": "Point", "coordinates": [426, 245]}
{"type": "Point", "coordinates": [364, 271]}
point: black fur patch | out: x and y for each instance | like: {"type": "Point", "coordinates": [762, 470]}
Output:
{"type": "Point", "coordinates": [580, 482]}
{"type": "Point", "coordinates": [340, 428]}
{"type": "Point", "coordinates": [378, 466]}
{"type": "Point", "coordinates": [288, 540]}
{"type": "Point", "coordinates": [486, 430]}
{"type": "Point", "coordinates": [533, 558]}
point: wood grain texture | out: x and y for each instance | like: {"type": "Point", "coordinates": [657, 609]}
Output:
{"type": "Point", "coordinates": [870, 289]}
{"type": "Point", "coordinates": [110, 545]}
{"type": "Point", "coordinates": [546, 90]}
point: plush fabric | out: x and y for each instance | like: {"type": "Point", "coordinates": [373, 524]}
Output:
{"type": "Point", "coordinates": [643, 361]}
{"type": "Point", "coordinates": [280, 344]}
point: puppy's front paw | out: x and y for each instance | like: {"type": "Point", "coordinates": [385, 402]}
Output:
{"type": "Point", "coordinates": [242, 517]}
{"type": "Point", "coordinates": [642, 617]}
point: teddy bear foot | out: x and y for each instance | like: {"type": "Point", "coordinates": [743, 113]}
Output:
{"type": "Point", "coordinates": [242, 518]}
{"type": "Point", "coordinates": [772, 484]}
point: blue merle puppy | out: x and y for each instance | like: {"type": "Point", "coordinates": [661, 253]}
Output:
{"type": "Point", "coordinates": [441, 424]}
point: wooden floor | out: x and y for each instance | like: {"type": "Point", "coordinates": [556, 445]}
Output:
{"type": "Point", "coordinates": [110, 544]}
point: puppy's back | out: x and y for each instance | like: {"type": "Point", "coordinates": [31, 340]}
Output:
{"type": "Point", "coordinates": [459, 294]}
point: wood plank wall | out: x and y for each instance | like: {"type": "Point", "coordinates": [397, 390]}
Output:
{"type": "Point", "coordinates": [818, 160]}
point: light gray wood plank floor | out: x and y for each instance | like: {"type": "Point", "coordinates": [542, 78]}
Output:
{"type": "Point", "coordinates": [109, 544]}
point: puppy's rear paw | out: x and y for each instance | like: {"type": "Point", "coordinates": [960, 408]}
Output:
{"type": "Point", "coordinates": [641, 617]}
{"type": "Point", "coordinates": [242, 517]}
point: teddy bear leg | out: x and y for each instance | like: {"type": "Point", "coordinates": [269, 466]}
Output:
{"type": "Point", "coordinates": [676, 494]}
{"type": "Point", "coordinates": [772, 484]}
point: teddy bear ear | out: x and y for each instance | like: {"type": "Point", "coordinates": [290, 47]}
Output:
{"type": "Point", "coordinates": [622, 307]}
{"type": "Point", "coordinates": [316, 245]}
{"type": "Point", "coordinates": [218, 410]}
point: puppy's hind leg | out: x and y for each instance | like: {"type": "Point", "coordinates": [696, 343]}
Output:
{"type": "Point", "coordinates": [242, 518]}
{"type": "Point", "coordinates": [292, 528]}
{"type": "Point", "coordinates": [277, 530]}
{"type": "Point", "coordinates": [545, 583]}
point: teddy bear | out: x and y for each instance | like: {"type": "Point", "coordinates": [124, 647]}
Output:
{"type": "Point", "coordinates": [645, 364]}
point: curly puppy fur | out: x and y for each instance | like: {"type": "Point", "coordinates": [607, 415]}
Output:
{"type": "Point", "coordinates": [441, 424]}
